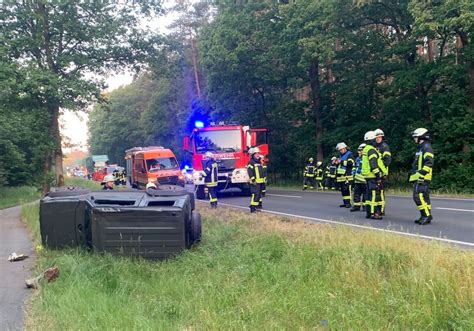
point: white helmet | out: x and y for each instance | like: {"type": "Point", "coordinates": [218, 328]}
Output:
{"type": "Point", "coordinates": [341, 146]}
{"type": "Point", "coordinates": [333, 158]}
{"type": "Point", "coordinates": [319, 163]}
{"type": "Point", "coordinates": [420, 133]}
{"type": "Point", "coordinates": [310, 159]}
{"type": "Point", "coordinates": [208, 155]}
{"type": "Point", "coordinates": [151, 185]}
{"type": "Point", "coordinates": [109, 178]}
{"type": "Point", "coordinates": [361, 146]}
{"type": "Point", "coordinates": [370, 135]}
{"type": "Point", "coordinates": [379, 133]}
{"type": "Point", "coordinates": [254, 150]}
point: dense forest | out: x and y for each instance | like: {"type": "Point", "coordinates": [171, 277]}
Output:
{"type": "Point", "coordinates": [313, 72]}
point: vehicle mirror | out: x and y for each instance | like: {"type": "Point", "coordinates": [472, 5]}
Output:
{"type": "Point", "coordinates": [186, 143]}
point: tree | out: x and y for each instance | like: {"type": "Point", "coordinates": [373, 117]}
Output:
{"type": "Point", "coordinates": [63, 45]}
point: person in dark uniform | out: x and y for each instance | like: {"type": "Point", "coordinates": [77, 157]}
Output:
{"type": "Point", "coordinates": [264, 167]}
{"type": "Point", "coordinates": [344, 173]}
{"type": "Point", "coordinates": [309, 174]}
{"type": "Point", "coordinates": [255, 172]}
{"type": "Point", "coordinates": [210, 171]}
{"type": "Point", "coordinates": [386, 156]}
{"type": "Point", "coordinates": [319, 175]}
{"type": "Point", "coordinates": [360, 184]}
{"type": "Point", "coordinates": [108, 182]}
{"type": "Point", "coordinates": [330, 181]}
{"type": "Point", "coordinates": [422, 174]}
{"type": "Point", "coordinates": [373, 176]}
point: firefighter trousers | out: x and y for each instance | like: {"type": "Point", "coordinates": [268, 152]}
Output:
{"type": "Point", "coordinates": [421, 196]}
{"type": "Point", "coordinates": [212, 195]}
{"type": "Point", "coordinates": [372, 202]}
{"type": "Point", "coordinates": [310, 181]}
{"type": "Point", "coordinates": [360, 192]}
{"type": "Point", "coordinates": [346, 190]}
{"type": "Point", "coordinates": [382, 196]}
{"type": "Point", "coordinates": [256, 195]}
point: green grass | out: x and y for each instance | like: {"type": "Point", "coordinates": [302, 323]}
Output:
{"type": "Point", "coordinates": [260, 272]}
{"type": "Point", "coordinates": [80, 182]}
{"type": "Point", "coordinates": [12, 196]}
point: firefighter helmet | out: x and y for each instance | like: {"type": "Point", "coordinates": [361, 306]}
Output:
{"type": "Point", "coordinates": [319, 163]}
{"type": "Point", "coordinates": [341, 146]}
{"type": "Point", "coordinates": [151, 185]}
{"type": "Point", "coordinates": [254, 150]}
{"type": "Point", "coordinates": [333, 158]}
{"type": "Point", "coordinates": [361, 146]}
{"type": "Point", "coordinates": [369, 135]}
{"type": "Point", "coordinates": [208, 155]}
{"type": "Point", "coordinates": [109, 178]}
{"type": "Point", "coordinates": [311, 159]}
{"type": "Point", "coordinates": [421, 133]}
{"type": "Point", "coordinates": [379, 133]}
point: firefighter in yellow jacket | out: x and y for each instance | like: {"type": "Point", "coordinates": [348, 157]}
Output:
{"type": "Point", "coordinates": [422, 174]}
{"type": "Point", "coordinates": [210, 171]}
{"type": "Point", "coordinates": [373, 176]}
{"type": "Point", "coordinates": [257, 179]}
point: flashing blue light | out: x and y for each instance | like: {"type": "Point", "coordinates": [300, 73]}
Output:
{"type": "Point", "coordinates": [186, 167]}
{"type": "Point", "coordinates": [199, 124]}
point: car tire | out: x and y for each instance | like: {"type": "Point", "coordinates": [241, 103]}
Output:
{"type": "Point", "coordinates": [196, 227]}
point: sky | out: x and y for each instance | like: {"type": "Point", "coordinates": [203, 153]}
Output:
{"type": "Point", "coordinates": [74, 124]}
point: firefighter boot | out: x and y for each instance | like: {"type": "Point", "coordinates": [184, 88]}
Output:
{"type": "Point", "coordinates": [253, 209]}
{"type": "Point", "coordinates": [426, 220]}
{"type": "Point", "coordinates": [355, 208]}
{"type": "Point", "coordinates": [417, 221]}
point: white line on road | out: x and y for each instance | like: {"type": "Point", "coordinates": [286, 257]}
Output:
{"type": "Point", "coordinates": [455, 209]}
{"type": "Point", "coordinates": [284, 196]}
{"type": "Point", "coordinates": [358, 226]}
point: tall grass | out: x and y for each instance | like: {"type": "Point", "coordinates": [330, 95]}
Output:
{"type": "Point", "coordinates": [12, 196]}
{"type": "Point", "coordinates": [80, 182]}
{"type": "Point", "coordinates": [261, 272]}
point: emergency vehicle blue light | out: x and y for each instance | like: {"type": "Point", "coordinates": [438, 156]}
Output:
{"type": "Point", "coordinates": [186, 167]}
{"type": "Point", "coordinates": [199, 124]}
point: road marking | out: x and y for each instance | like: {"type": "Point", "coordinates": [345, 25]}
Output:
{"type": "Point", "coordinates": [455, 209]}
{"type": "Point", "coordinates": [451, 241]}
{"type": "Point", "coordinates": [284, 196]}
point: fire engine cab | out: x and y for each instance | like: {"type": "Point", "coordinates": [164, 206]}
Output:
{"type": "Point", "coordinates": [229, 144]}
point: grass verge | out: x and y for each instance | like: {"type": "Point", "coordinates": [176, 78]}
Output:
{"type": "Point", "coordinates": [80, 182]}
{"type": "Point", "coordinates": [263, 272]}
{"type": "Point", "coordinates": [13, 196]}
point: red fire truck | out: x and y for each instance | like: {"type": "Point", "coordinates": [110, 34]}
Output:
{"type": "Point", "coordinates": [229, 144]}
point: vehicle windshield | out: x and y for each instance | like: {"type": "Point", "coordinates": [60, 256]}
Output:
{"type": "Point", "coordinates": [165, 163]}
{"type": "Point", "coordinates": [218, 141]}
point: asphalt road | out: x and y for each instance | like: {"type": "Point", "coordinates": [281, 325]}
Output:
{"type": "Point", "coordinates": [13, 238]}
{"type": "Point", "coordinates": [453, 218]}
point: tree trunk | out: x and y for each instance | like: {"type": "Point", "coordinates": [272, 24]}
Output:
{"type": "Point", "coordinates": [57, 151]}
{"type": "Point", "coordinates": [316, 105]}
{"type": "Point", "coordinates": [196, 71]}
{"type": "Point", "coordinates": [46, 170]}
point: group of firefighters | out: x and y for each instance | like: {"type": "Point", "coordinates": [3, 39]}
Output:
{"type": "Point", "coordinates": [257, 172]}
{"type": "Point", "coordinates": [360, 179]}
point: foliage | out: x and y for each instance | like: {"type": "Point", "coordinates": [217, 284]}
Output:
{"type": "Point", "coordinates": [259, 272]}
{"type": "Point", "coordinates": [13, 196]}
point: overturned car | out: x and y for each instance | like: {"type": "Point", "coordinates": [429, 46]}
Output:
{"type": "Point", "coordinates": [153, 224]}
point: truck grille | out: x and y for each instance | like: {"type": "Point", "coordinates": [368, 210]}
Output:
{"type": "Point", "coordinates": [227, 165]}
{"type": "Point", "coordinates": [169, 180]}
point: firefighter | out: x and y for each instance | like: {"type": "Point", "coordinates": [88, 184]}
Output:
{"type": "Point", "coordinates": [319, 175]}
{"type": "Point", "coordinates": [151, 186]}
{"type": "Point", "coordinates": [115, 173]}
{"type": "Point", "coordinates": [264, 167]}
{"type": "Point", "coordinates": [331, 174]}
{"type": "Point", "coordinates": [255, 172]}
{"type": "Point", "coordinates": [210, 171]}
{"type": "Point", "coordinates": [384, 151]}
{"type": "Point", "coordinates": [421, 175]}
{"type": "Point", "coordinates": [309, 173]}
{"type": "Point", "coordinates": [108, 182]}
{"type": "Point", "coordinates": [344, 173]}
{"type": "Point", "coordinates": [360, 184]}
{"type": "Point", "coordinates": [372, 173]}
